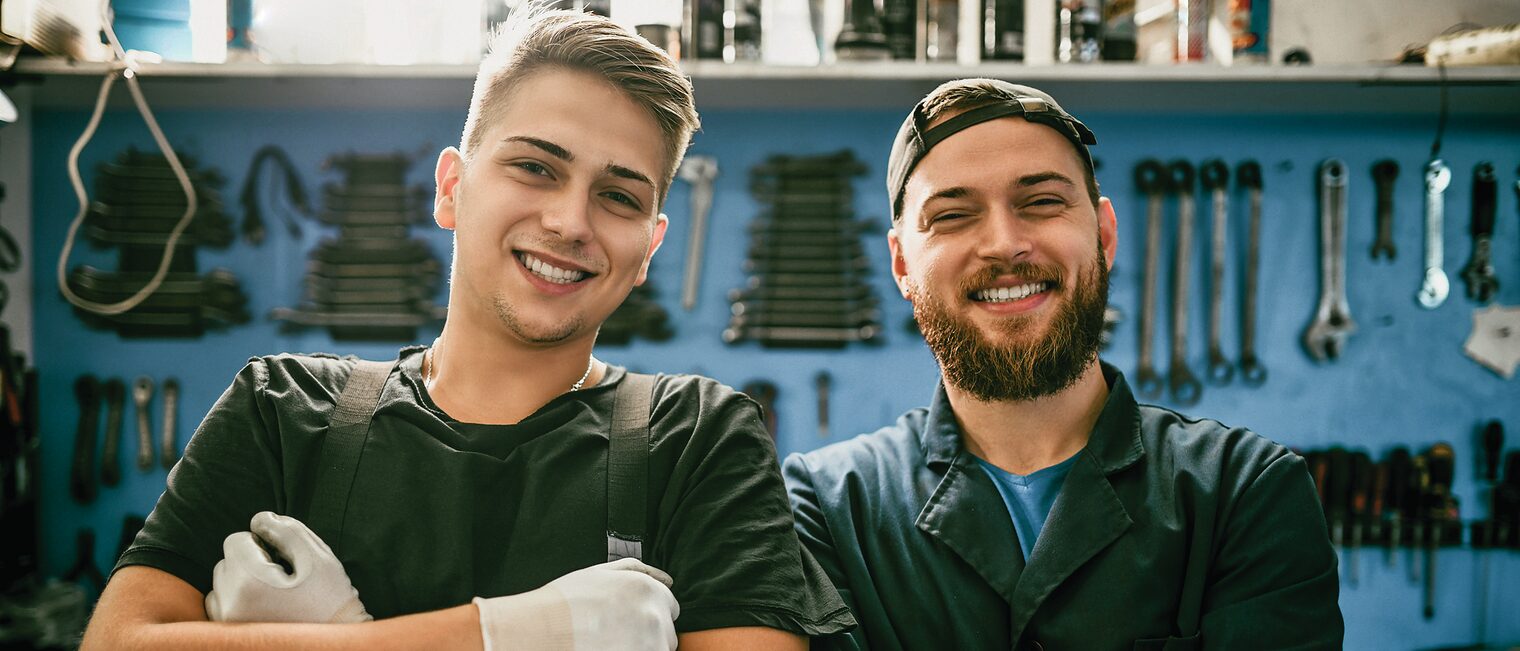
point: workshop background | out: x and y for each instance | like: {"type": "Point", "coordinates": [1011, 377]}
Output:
{"type": "Point", "coordinates": [1404, 377]}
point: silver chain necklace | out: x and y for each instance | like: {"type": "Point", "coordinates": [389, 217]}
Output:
{"type": "Point", "coordinates": [431, 366]}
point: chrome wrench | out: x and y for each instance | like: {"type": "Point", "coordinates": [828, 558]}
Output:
{"type": "Point", "coordinates": [1435, 286]}
{"type": "Point", "coordinates": [1325, 337]}
{"type": "Point", "coordinates": [142, 397]}
{"type": "Point", "coordinates": [168, 452]}
{"type": "Point", "coordinates": [1150, 179]}
{"type": "Point", "coordinates": [1216, 178]}
{"type": "Point", "coordinates": [699, 171]}
{"type": "Point", "coordinates": [1248, 176]}
{"type": "Point", "coordinates": [1186, 389]}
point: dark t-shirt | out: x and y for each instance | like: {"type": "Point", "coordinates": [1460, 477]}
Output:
{"type": "Point", "coordinates": [443, 511]}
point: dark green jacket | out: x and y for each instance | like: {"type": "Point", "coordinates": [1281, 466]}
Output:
{"type": "Point", "coordinates": [1170, 533]}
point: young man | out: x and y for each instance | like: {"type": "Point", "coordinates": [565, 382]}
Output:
{"type": "Point", "coordinates": [1034, 504]}
{"type": "Point", "coordinates": [466, 497]}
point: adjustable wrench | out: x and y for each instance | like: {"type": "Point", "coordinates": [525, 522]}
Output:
{"type": "Point", "coordinates": [1384, 172]}
{"type": "Point", "coordinates": [1434, 288]}
{"type": "Point", "coordinates": [699, 171]}
{"type": "Point", "coordinates": [168, 451]}
{"type": "Point", "coordinates": [110, 464]}
{"type": "Point", "coordinates": [1248, 175]}
{"type": "Point", "coordinates": [1150, 179]}
{"type": "Point", "coordinates": [1479, 273]}
{"type": "Point", "coordinates": [142, 397]}
{"type": "Point", "coordinates": [1185, 387]}
{"type": "Point", "coordinates": [1216, 178]}
{"type": "Point", "coordinates": [1325, 337]}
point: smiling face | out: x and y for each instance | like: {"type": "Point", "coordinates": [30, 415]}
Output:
{"type": "Point", "coordinates": [556, 214]}
{"type": "Point", "coordinates": [1005, 259]}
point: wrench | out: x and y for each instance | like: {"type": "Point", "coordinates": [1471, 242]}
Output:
{"type": "Point", "coordinates": [1435, 286]}
{"type": "Point", "coordinates": [823, 382]}
{"type": "Point", "coordinates": [142, 396]}
{"type": "Point", "coordinates": [1479, 273]}
{"type": "Point", "coordinates": [110, 465]}
{"type": "Point", "coordinates": [1384, 172]}
{"type": "Point", "coordinates": [1325, 337]}
{"type": "Point", "coordinates": [168, 451]}
{"type": "Point", "coordinates": [1186, 389]}
{"type": "Point", "coordinates": [1150, 179]}
{"type": "Point", "coordinates": [1248, 175]}
{"type": "Point", "coordinates": [82, 475]}
{"type": "Point", "coordinates": [1215, 177]}
{"type": "Point", "coordinates": [699, 171]}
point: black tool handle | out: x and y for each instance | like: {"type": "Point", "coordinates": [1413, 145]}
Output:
{"type": "Point", "coordinates": [1181, 176]}
{"type": "Point", "coordinates": [1485, 196]}
{"type": "Point", "coordinates": [110, 455]}
{"type": "Point", "coordinates": [1493, 446]}
{"type": "Point", "coordinates": [1248, 175]}
{"type": "Point", "coordinates": [1214, 174]}
{"type": "Point", "coordinates": [1150, 176]}
{"type": "Point", "coordinates": [82, 469]}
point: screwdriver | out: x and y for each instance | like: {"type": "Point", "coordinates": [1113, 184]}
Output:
{"type": "Point", "coordinates": [1337, 492]}
{"type": "Point", "coordinates": [1493, 446]}
{"type": "Point", "coordinates": [1376, 526]}
{"type": "Point", "coordinates": [1361, 484]}
{"type": "Point", "coordinates": [1441, 465]}
{"type": "Point", "coordinates": [1414, 507]}
{"type": "Point", "coordinates": [1398, 489]}
{"type": "Point", "coordinates": [1509, 501]}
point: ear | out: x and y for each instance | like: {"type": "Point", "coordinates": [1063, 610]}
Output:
{"type": "Point", "coordinates": [446, 177]}
{"type": "Point", "coordinates": [899, 264]}
{"type": "Point", "coordinates": [1108, 230]}
{"type": "Point", "coordinates": [655, 240]}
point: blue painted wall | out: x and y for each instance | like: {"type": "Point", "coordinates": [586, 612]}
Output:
{"type": "Point", "coordinates": [1403, 379]}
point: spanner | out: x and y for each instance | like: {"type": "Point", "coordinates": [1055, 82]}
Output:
{"type": "Point", "coordinates": [1384, 172]}
{"type": "Point", "coordinates": [1479, 273]}
{"type": "Point", "coordinates": [1216, 178]}
{"type": "Point", "coordinates": [1248, 176]}
{"type": "Point", "coordinates": [168, 452]}
{"type": "Point", "coordinates": [110, 455]}
{"type": "Point", "coordinates": [82, 485]}
{"type": "Point", "coordinates": [142, 397]}
{"type": "Point", "coordinates": [1186, 389]}
{"type": "Point", "coordinates": [1325, 337]}
{"type": "Point", "coordinates": [699, 171]}
{"type": "Point", "coordinates": [1150, 179]}
{"type": "Point", "coordinates": [1434, 288]}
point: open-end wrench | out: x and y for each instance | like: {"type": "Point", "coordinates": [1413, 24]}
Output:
{"type": "Point", "coordinates": [1216, 178]}
{"type": "Point", "coordinates": [82, 471]}
{"type": "Point", "coordinates": [1434, 288]}
{"type": "Point", "coordinates": [1325, 338]}
{"type": "Point", "coordinates": [110, 455]}
{"type": "Point", "coordinates": [168, 451]}
{"type": "Point", "coordinates": [699, 171]}
{"type": "Point", "coordinates": [1252, 372]}
{"type": "Point", "coordinates": [142, 397]}
{"type": "Point", "coordinates": [1186, 389]}
{"type": "Point", "coordinates": [1384, 172]}
{"type": "Point", "coordinates": [1479, 273]}
{"type": "Point", "coordinates": [1150, 179]}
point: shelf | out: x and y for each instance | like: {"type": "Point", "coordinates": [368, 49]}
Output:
{"type": "Point", "coordinates": [1138, 88]}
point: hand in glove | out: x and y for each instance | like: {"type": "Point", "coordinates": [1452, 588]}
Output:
{"type": "Point", "coordinates": [624, 604]}
{"type": "Point", "coordinates": [249, 585]}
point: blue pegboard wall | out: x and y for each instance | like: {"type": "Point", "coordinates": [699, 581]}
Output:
{"type": "Point", "coordinates": [1403, 378]}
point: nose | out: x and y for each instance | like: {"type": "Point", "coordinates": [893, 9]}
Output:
{"type": "Point", "coordinates": [1004, 237]}
{"type": "Point", "coordinates": [569, 217]}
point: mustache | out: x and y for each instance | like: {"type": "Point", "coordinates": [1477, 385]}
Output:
{"type": "Point", "coordinates": [985, 276]}
{"type": "Point", "coordinates": [562, 249]}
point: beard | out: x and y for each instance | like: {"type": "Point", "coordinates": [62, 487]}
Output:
{"type": "Point", "coordinates": [541, 336]}
{"type": "Point", "coordinates": [1018, 368]}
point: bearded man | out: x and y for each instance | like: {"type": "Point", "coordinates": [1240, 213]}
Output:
{"type": "Point", "coordinates": [1034, 504]}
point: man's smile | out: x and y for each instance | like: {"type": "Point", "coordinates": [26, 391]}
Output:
{"type": "Point", "coordinates": [552, 275]}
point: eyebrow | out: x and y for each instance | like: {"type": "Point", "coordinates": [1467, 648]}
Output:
{"type": "Point", "coordinates": [565, 155]}
{"type": "Point", "coordinates": [1043, 177]}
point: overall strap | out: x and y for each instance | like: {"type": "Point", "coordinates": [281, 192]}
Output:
{"type": "Point", "coordinates": [628, 467]}
{"type": "Point", "coordinates": [346, 434]}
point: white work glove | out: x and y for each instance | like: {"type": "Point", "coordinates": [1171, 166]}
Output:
{"type": "Point", "coordinates": [624, 604]}
{"type": "Point", "coordinates": [247, 585]}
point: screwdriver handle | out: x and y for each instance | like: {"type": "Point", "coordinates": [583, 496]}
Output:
{"type": "Point", "coordinates": [1493, 446]}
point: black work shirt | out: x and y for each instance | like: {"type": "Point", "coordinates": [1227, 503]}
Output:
{"type": "Point", "coordinates": [443, 511]}
{"type": "Point", "coordinates": [1169, 533]}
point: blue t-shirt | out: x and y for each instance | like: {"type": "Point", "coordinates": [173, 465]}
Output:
{"type": "Point", "coordinates": [1029, 497]}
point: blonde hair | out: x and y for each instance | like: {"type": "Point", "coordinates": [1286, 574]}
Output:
{"type": "Point", "coordinates": [535, 38]}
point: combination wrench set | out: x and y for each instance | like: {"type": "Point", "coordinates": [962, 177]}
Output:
{"type": "Point", "coordinates": [1176, 183]}
{"type": "Point", "coordinates": [809, 275]}
{"type": "Point", "coordinates": [113, 395]}
{"type": "Point", "coordinates": [374, 281]}
{"type": "Point", "coordinates": [138, 202]}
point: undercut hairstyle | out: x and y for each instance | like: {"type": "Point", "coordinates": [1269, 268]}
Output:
{"type": "Point", "coordinates": [965, 97]}
{"type": "Point", "coordinates": [535, 39]}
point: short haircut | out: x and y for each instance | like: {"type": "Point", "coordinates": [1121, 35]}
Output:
{"type": "Point", "coordinates": [535, 38]}
{"type": "Point", "coordinates": [958, 98]}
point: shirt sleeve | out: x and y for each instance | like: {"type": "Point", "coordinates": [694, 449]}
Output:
{"type": "Point", "coordinates": [230, 470]}
{"type": "Point", "coordinates": [813, 530]}
{"type": "Point", "coordinates": [728, 540]}
{"type": "Point", "coordinates": [1275, 584]}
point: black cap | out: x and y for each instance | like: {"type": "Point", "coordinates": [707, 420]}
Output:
{"type": "Point", "coordinates": [915, 139]}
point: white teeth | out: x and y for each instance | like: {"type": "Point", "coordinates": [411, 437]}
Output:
{"type": "Point", "coordinates": [550, 272]}
{"type": "Point", "coordinates": [1005, 294]}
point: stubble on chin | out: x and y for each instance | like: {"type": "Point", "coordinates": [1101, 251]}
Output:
{"type": "Point", "coordinates": [508, 317]}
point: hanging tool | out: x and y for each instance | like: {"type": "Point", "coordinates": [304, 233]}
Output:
{"type": "Point", "coordinates": [1362, 476]}
{"type": "Point", "coordinates": [1434, 288]}
{"type": "Point", "coordinates": [1151, 180]}
{"type": "Point", "coordinates": [142, 396]}
{"type": "Point", "coordinates": [1479, 272]}
{"type": "Point", "coordinates": [1325, 338]}
{"type": "Point", "coordinates": [1492, 444]}
{"type": "Point", "coordinates": [1337, 492]}
{"type": "Point", "coordinates": [1399, 472]}
{"type": "Point", "coordinates": [1441, 465]}
{"type": "Point", "coordinates": [168, 452]}
{"type": "Point", "coordinates": [1384, 172]}
{"type": "Point", "coordinates": [1216, 178]}
{"type": "Point", "coordinates": [1377, 531]}
{"type": "Point", "coordinates": [84, 562]}
{"type": "Point", "coordinates": [1186, 389]}
{"type": "Point", "coordinates": [110, 456]}
{"type": "Point", "coordinates": [82, 472]}
{"type": "Point", "coordinates": [253, 211]}
{"type": "Point", "coordinates": [823, 384]}
{"type": "Point", "coordinates": [1252, 372]}
{"type": "Point", "coordinates": [699, 171]}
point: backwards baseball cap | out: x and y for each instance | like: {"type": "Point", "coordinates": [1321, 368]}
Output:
{"type": "Point", "coordinates": [915, 138]}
